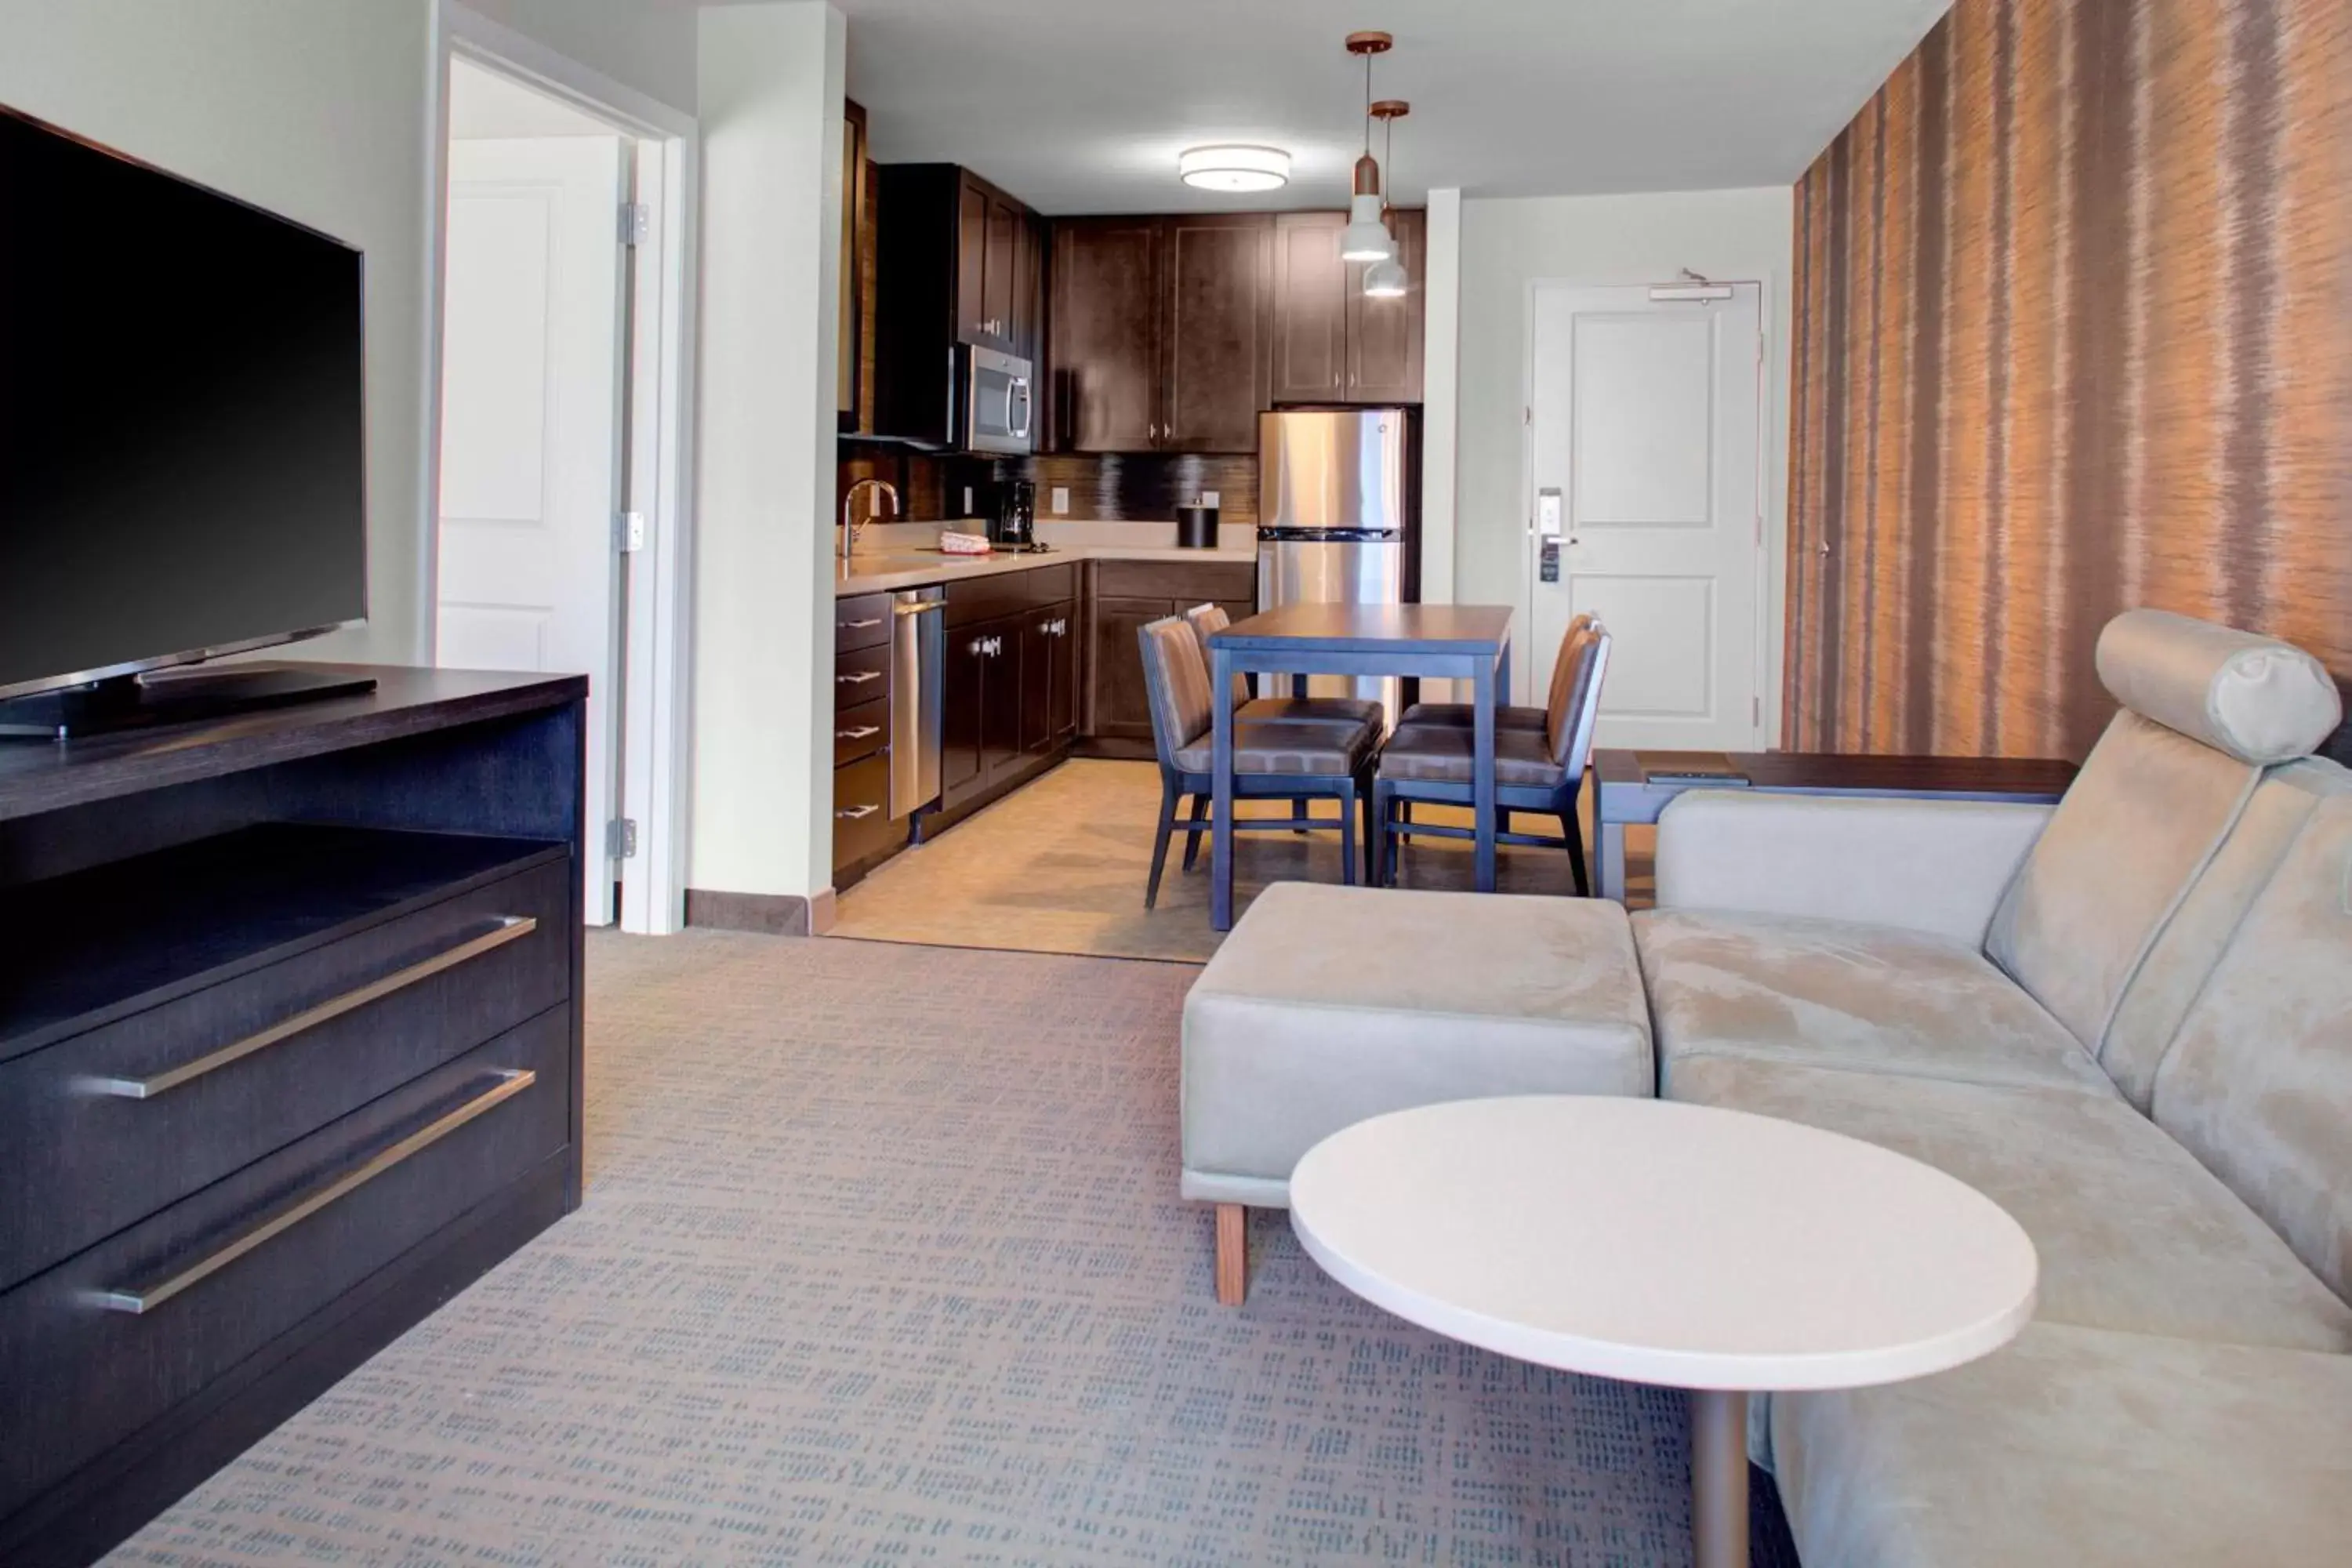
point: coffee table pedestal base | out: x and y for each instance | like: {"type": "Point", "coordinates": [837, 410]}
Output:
{"type": "Point", "coordinates": [1719, 1478]}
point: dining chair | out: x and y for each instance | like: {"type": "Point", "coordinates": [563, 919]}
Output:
{"type": "Point", "coordinates": [1206, 620]}
{"type": "Point", "coordinates": [1464, 715]}
{"type": "Point", "coordinates": [1534, 771]}
{"type": "Point", "coordinates": [1296, 760]}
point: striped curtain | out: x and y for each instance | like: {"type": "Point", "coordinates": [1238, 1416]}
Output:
{"type": "Point", "coordinates": [2074, 300]}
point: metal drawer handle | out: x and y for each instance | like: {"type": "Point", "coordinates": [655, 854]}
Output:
{"type": "Point", "coordinates": [857, 734]}
{"type": "Point", "coordinates": [860, 625]}
{"type": "Point", "coordinates": [860, 678]}
{"type": "Point", "coordinates": [147, 1297]}
{"type": "Point", "coordinates": [504, 928]}
{"type": "Point", "coordinates": [858, 813]}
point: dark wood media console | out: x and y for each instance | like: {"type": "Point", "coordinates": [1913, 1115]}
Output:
{"type": "Point", "coordinates": [289, 1054]}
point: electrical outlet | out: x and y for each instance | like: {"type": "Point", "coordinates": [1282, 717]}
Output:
{"type": "Point", "coordinates": [1061, 499]}
{"type": "Point", "coordinates": [1208, 498]}
{"type": "Point", "coordinates": [967, 501]}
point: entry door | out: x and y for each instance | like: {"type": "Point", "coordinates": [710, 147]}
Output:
{"type": "Point", "coordinates": [532, 360]}
{"type": "Point", "coordinates": [1644, 425]}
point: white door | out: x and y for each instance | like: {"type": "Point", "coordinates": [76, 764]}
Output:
{"type": "Point", "coordinates": [531, 431]}
{"type": "Point", "coordinates": [1644, 482]}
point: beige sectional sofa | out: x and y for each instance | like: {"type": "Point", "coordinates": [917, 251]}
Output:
{"type": "Point", "coordinates": [2127, 1020]}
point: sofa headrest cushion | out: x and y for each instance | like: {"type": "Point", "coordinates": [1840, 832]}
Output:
{"type": "Point", "coordinates": [2260, 699]}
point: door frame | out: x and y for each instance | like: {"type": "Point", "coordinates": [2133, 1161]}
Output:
{"type": "Point", "coordinates": [1770, 597]}
{"type": "Point", "coordinates": [656, 703]}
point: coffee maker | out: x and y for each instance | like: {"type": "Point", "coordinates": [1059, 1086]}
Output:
{"type": "Point", "coordinates": [1014, 526]}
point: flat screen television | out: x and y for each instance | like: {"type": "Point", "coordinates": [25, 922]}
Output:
{"type": "Point", "coordinates": [183, 467]}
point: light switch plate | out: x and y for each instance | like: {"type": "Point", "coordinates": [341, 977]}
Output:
{"type": "Point", "coordinates": [1061, 499]}
{"type": "Point", "coordinates": [967, 501]}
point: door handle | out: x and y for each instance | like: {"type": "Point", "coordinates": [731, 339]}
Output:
{"type": "Point", "coordinates": [857, 813]}
{"type": "Point", "coordinates": [857, 734]}
{"type": "Point", "coordinates": [858, 677]}
{"type": "Point", "coordinates": [860, 625]}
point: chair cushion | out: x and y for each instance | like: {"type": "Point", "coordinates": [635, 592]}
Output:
{"type": "Point", "coordinates": [2260, 699]}
{"type": "Point", "coordinates": [1300, 746]}
{"type": "Point", "coordinates": [1177, 681]}
{"type": "Point", "coordinates": [2258, 1084]}
{"type": "Point", "coordinates": [2122, 851]}
{"type": "Point", "coordinates": [1835, 993]}
{"type": "Point", "coordinates": [1350, 710]}
{"type": "Point", "coordinates": [1444, 754]}
{"type": "Point", "coordinates": [1307, 1022]}
{"type": "Point", "coordinates": [2132, 1232]}
{"type": "Point", "coordinates": [1462, 715]}
{"type": "Point", "coordinates": [2078, 1448]}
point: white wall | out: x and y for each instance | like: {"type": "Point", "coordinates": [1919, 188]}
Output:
{"type": "Point", "coordinates": [640, 44]}
{"type": "Point", "coordinates": [319, 111]}
{"type": "Point", "coordinates": [1506, 245]}
{"type": "Point", "coordinates": [770, 90]}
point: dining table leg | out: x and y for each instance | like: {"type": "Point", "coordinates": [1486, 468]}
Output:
{"type": "Point", "coordinates": [1482, 774]}
{"type": "Point", "coordinates": [1221, 768]}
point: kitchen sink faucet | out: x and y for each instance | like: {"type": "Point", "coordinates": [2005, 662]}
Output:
{"type": "Point", "coordinates": [851, 523]}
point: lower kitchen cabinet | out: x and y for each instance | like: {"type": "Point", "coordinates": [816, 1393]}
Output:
{"type": "Point", "coordinates": [1129, 596]}
{"type": "Point", "coordinates": [1010, 697]}
{"type": "Point", "coordinates": [1122, 706]}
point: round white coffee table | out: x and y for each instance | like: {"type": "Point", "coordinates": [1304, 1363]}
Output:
{"type": "Point", "coordinates": [1656, 1242]}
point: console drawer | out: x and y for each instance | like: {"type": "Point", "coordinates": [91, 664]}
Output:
{"type": "Point", "coordinates": [860, 732]}
{"type": "Point", "coordinates": [861, 810]}
{"type": "Point", "coordinates": [106, 1126]}
{"type": "Point", "coordinates": [861, 676]}
{"type": "Point", "coordinates": [102, 1346]}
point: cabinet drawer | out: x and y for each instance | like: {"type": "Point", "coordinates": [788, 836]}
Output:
{"type": "Point", "coordinates": [861, 810]}
{"type": "Point", "coordinates": [1190, 582]}
{"type": "Point", "coordinates": [1050, 585]}
{"type": "Point", "coordinates": [982, 598]}
{"type": "Point", "coordinates": [861, 622]}
{"type": "Point", "coordinates": [106, 1128]}
{"type": "Point", "coordinates": [102, 1346]}
{"type": "Point", "coordinates": [862, 675]}
{"type": "Point", "coordinates": [860, 732]}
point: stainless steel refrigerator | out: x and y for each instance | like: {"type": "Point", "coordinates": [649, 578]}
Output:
{"type": "Point", "coordinates": [1337, 519]}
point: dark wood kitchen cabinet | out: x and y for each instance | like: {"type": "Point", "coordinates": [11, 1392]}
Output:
{"type": "Point", "coordinates": [1331, 342]}
{"type": "Point", "coordinates": [1049, 677]}
{"type": "Point", "coordinates": [1129, 596]}
{"type": "Point", "coordinates": [1161, 328]}
{"type": "Point", "coordinates": [1011, 690]}
{"type": "Point", "coordinates": [1103, 342]}
{"type": "Point", "coordinates": [956, 262]}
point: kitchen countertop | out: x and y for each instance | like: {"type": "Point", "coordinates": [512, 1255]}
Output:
{"type": "Point", "coordinates": [895, 563]}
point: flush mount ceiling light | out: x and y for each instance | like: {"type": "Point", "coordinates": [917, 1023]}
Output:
{"type": "Point", "coordinates": [1385, 279]}
{"type": "Point", "coordinates": [1236, 168]}
{"type": "Point", "coordinates": [1367, 237]}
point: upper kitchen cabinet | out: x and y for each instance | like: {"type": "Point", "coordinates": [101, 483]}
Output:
{"type": "Point", "coordinates": [1103, 344]}
{"type": "Point", "coordinates": [956, 264]}
{"type": "Point", "coordinates": [1331, 343]}
{"type": "Point", "coordinates": [1217, 335]}
{"type": "Point", "coordinates": [856, 254]}
{"type": "Point", "coordinates": [1384, 336]}
{"type": "Point", "coordinates": [1161, 331]}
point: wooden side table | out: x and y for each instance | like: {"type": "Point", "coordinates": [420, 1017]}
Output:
{"type": "Point", "coordinates": [1625, 790]}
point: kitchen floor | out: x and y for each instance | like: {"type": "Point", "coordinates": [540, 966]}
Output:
{"type": "Point", "coordinates": [1059, 866]}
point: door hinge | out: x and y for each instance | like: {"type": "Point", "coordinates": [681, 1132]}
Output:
{"type": "Point", "coordinates": [637, 222]}
{"type": "Point", "coordinates": [628, 531]}
{"type": "Point", "coordinates": [621, 838]}
{"type": "Point", "coordinates": [1754, 716]}
{"type": "Point", "coordinates": [1526, 416]}
{"type": "Point", "coordinates": [1759, 348]}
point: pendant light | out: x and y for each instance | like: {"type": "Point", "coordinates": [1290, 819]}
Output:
{"type": "Point", "coordinates": [1367, 237]}
{"type": "Point", "coordinates": [1385, 279]}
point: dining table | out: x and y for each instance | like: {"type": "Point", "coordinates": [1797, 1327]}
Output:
{"type": "Point", "coordinates": [1469, 644]}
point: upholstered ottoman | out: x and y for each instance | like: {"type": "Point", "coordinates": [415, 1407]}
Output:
{"type": "Point", "coordinates": [1327, 1006]}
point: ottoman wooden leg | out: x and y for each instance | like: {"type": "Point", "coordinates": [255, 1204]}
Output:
{"type": "Point", "coordinates": [1232, 1254]}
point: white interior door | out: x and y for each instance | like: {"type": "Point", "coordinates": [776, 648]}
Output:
{"type": "Point", "coordinates": [531, 431]}
{"type": "Point", "coordinates": [1643, 444]}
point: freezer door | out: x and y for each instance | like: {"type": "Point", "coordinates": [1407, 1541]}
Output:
{"type": "Point", "coordinates": [1311, 572]}
{"type": "Point", "coordinates": [1332, 468]}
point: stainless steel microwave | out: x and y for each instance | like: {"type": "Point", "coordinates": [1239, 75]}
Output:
{"type": "Point", "coordinates": [999, 400]}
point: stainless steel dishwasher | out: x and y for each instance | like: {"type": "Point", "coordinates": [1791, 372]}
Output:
{"type": "Point", "coordinates": [917, 668]}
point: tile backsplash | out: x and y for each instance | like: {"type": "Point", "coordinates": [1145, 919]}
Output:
{"type": "Point", "coordinates": [1143, 487]}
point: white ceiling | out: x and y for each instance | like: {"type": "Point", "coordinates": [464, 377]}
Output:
{"type": "Point", "coordinates": [1082, 105]}
{"type": "Point", "coordinates": [485, 106]}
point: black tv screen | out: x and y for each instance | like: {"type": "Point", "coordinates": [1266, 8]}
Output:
{"type": "Point", "coordinates": [182, 445]}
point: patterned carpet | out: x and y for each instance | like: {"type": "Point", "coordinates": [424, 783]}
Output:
{"type": "Point", "coordinates": [881, 1263]}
